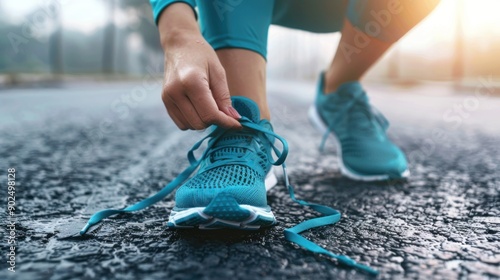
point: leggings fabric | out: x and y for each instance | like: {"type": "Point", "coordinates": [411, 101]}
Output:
{"type": "Point", "coordinates": [245, 23]}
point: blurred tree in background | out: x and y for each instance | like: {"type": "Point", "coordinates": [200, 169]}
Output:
{"type": "Point", "coordinates": [71, 51]}
{"type": "Point", "coordinates": [32, 57]}
{"type": "Point", "coordinates": [143, 22]}
{"type": "Point", "coordinates": [124, 41]}
{"type": "Point", "coordinates": [108, 45]}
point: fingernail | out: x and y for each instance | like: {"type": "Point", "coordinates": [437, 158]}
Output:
{"type": "Point", "coordinates": [233, 112]}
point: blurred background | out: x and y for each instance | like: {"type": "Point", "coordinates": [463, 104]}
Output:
{"type": "Point", "coordinates": [46, 41]}
{"type": "Point", "coordinates": [82, 123]}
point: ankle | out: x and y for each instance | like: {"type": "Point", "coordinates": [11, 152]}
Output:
{"type": "Point", "coordinates": [332, 81]}
{"type": "Point", "coordinates": [264, 113]}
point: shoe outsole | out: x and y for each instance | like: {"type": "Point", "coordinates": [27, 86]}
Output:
{"type": "Point", "coordinates": [318, 123]}
{"type": "Point", "coordinates": [225, 212]}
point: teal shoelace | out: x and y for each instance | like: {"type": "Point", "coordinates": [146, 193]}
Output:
{"type": "Point", "coordinates": [329, 216]}
{"type": "Point", "coordinates": [365, 112]}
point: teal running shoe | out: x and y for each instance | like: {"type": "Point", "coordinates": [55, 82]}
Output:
{"type": "Point", "coordinates": [364, 150]}
{"type": "Point", "coordinates": [229, 189]}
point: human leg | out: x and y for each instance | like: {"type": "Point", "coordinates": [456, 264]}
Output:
{"type": "Point", "coordinates": [238, 30]}
{"type": "Point", "coordinates": [350, 63]}
{"type": "Point", "coordinates": [370, 29]}
{"type": "Point", "coordinates": [342, 108]}
{"type": "Point", "coordinates": [246, 76]}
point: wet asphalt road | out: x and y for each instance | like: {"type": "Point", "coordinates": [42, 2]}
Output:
{"type": "Point", "coordinates": [81, 148]}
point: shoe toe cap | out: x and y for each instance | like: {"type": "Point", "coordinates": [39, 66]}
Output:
{"type": "Point", "coordinates": [389, 161]}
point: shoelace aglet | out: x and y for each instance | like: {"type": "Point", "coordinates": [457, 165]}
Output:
{"type": "Point", "coordinates": [352, 263]}
{"type": "Point", "coordinates": [85, 228]}
{"type": "Point", "coordinates": [287, 181]}
{"type": "Point", "coordinates": [364, 268]}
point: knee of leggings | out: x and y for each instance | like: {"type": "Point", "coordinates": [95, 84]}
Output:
{"type": "Point", "coordinates": [236, 23]}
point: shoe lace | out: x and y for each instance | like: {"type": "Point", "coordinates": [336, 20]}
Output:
{"type": "Point", "coordinates": [232, 148]}
{"type": "Point", "coordinates": [359, 116]}
{"type": "Point", "coordinates": [329, 215]}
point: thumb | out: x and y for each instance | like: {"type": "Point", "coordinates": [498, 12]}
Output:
{"type": "Point", "coordinates": [220, 91]}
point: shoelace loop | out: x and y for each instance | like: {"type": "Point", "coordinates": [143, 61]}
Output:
{"type": "Point", "coordinates": [330, 215]}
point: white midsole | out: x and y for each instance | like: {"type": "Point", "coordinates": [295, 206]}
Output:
{"type": "Point", "coordinates": [254, 213]}
{"type": "Point", "coordinates": [316, 120]}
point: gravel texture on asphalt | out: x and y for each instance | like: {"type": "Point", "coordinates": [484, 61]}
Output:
{"type": "Point", "coordinates": [80, 149]}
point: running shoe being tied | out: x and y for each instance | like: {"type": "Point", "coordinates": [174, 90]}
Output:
{"type": "Point", "coordinates": [229, 187]}
{"type": "Point", "coordinates": [364, 150]}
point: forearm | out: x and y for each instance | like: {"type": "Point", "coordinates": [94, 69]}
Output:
{"type": "Point", "coordinates": [177, 22]}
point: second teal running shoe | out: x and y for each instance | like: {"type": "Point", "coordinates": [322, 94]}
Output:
{"type": "Point", "coordinates": [229, 189]}
{"type": "Point", "coordinates": [364, 150]}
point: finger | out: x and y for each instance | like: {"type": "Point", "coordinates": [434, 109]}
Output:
{"type": "Point", "coordinates": [176, 115]}
{"type": "Point", "coordinates": [190, 82]}
{"type": "Point", "coordinates": [189, 113]}
{"type": "Point", "coordinates": [205, 105]}
{"type": "Point", "coordinates": [220, 90]}
{"type": "Point", "coordinates": [168, 90]}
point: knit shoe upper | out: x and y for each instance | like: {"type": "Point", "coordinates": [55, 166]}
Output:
{"type": "Point", "coordinates": [236, 164]}
{"type": "Point", "coordinates": [365, 150]}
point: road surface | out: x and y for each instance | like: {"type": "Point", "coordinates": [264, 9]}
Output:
{"type": "Point", "coordinates": [84, 147]}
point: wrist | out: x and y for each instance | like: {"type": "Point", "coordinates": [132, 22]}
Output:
{"type": "Point", "coordinates": [176, 24]}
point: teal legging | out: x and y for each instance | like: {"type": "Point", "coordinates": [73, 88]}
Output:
{"type": "Point", "coordinates": [245, 23]}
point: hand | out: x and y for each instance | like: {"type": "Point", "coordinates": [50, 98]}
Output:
{"type": "Point", "coordinates": [195, 91]}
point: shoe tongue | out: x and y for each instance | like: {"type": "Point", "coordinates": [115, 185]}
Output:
{"type": "Point", "coordinates": [360, 112]}
{"type": "Point", "coordinates": [235, 139]}
{"type": "Point", "coordinates": [247, 108]}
